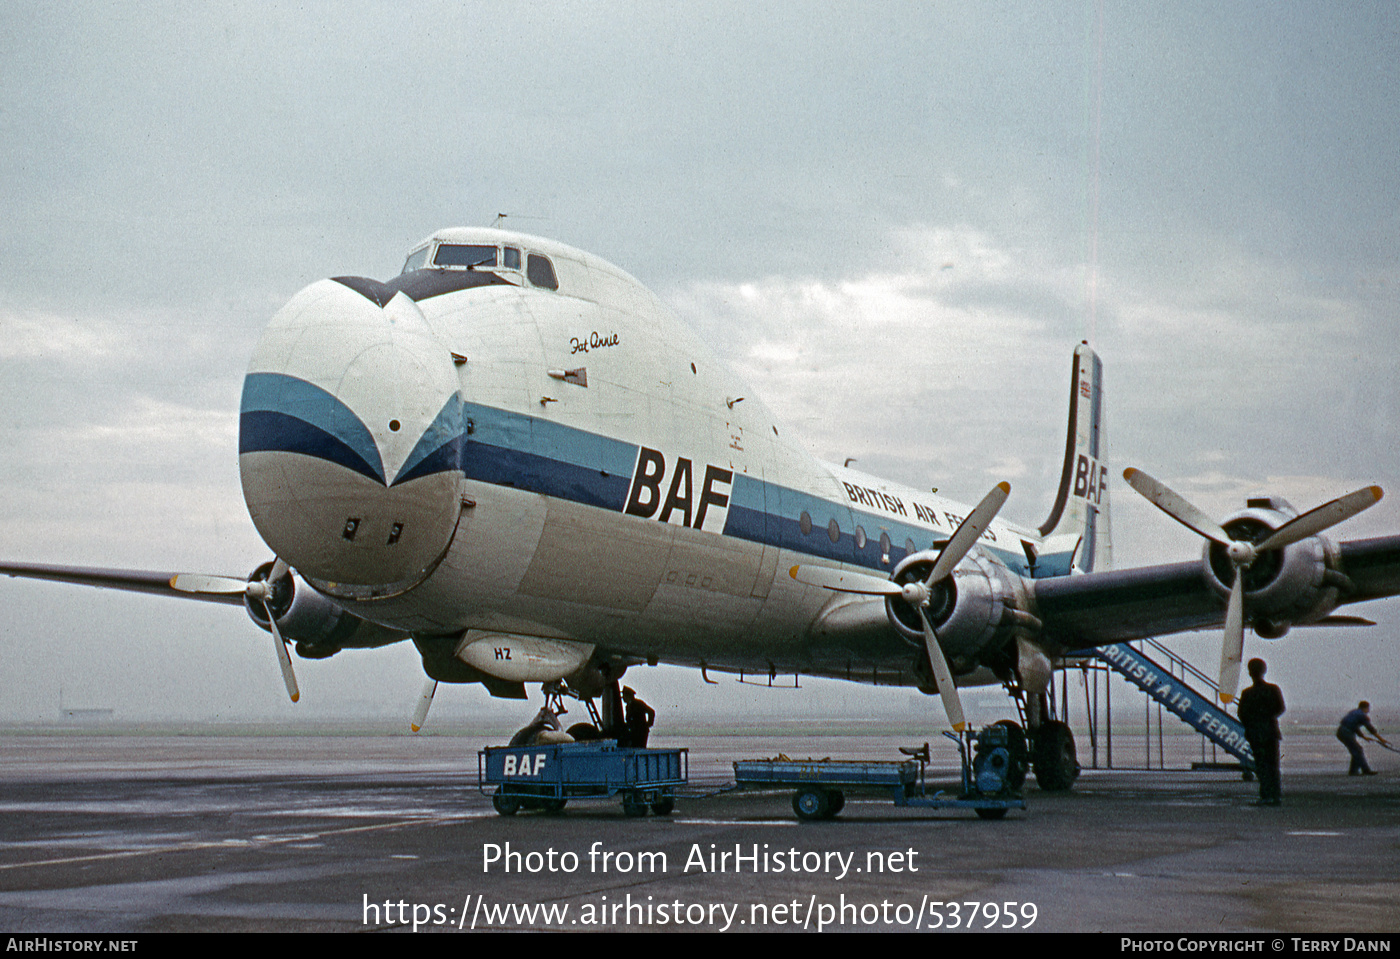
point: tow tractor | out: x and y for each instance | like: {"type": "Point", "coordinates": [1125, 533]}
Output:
{"type": "Point", "coordinates": [993, 770]}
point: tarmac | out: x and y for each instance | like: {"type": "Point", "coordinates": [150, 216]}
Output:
{"type": "Point", "coordinates": [128, 831]}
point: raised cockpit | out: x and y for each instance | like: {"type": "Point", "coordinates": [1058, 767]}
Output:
{"type": "Point", "coordinates": [502, 258]}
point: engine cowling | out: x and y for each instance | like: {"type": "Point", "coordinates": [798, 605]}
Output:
{"type": "Point", "coordinates": [974, 612]}
{"type": "Point", "coordinates": [1296, 584]}
{"type": "Point", "coordinates": [319, 626]}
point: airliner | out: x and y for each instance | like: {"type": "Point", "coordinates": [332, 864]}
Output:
{"type": "Point", "coordinates": [515, 456]}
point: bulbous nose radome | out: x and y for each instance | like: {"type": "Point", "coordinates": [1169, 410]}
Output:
{"type": "Point", "coordinates": [350, 437]}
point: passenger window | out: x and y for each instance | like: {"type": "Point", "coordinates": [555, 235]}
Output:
{"type": "Point", "coordinates": [511, 260]}
{"type": "Point", "coordinates": [541, 272]}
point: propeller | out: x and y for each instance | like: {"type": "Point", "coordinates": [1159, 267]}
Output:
{"type": "Point", "coordinates": [255, 591]}
{"type": "Point", "coordinates": [1243, 554]}
{"type": "Point", "coordinates": [917, 593]}
{"type": "Point", "coordinates": [425, 699]}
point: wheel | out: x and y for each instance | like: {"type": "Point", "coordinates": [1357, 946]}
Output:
{"type": "Point", "coordinates": [505, 805]}
{"type": "Point", "coordinates": [554, 806]}
{"type": "Point", "coordinates": [664, 805]}
{"type": "Point", "coordinates": [811, 803]}
{"type": "Point", "coordinates": [991, 813]}
{"type": "Point", "coordinates": [1056, 764]}
{"type": "Point", "coordinates": [633, 804]}
{"type": "Point", "coordinates": [584, 732]}
{"type": "Point", "coordinates": [836, 801]}
{"type": "Point", "coordinates": [1020, 755]}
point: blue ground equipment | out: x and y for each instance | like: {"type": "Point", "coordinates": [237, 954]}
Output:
{"type": "Point", "coordinates": [993, 769]}
{"type": "Point", "coordinates": [546, 777]}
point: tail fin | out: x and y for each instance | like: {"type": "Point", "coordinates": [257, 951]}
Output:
{"type": "Point", "coordinates": [1079, 522]}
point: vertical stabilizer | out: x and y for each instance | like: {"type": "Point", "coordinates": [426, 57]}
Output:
{"type": "Point", "coordinates": [1079, 520]}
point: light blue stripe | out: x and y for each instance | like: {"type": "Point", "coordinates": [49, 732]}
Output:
{"type": "Point", "coordinates": [288, 395]}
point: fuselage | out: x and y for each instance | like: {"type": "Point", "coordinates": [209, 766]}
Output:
{"type": "Point", "coordinates": [514, 436]}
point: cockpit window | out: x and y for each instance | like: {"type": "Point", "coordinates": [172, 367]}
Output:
{"type": "Point", "coordinates": [416, 260]}
{"type": "Point", "coordinates": [511, 259]}
{"type": "Point", "coordinates": [541, 272]}
{"type": "Point", "coordinates": [456, 254]}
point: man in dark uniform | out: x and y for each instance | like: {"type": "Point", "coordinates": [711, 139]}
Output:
{"type": "Point", "coordinates": [1260, 707]}
{"type": "Point", "coordinates": [1350, 728]}
{"type": "Point", "coordinates": [640, 716]}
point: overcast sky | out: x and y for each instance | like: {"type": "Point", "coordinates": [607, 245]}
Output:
{"type": "Point", "coordinates": [895, 220]}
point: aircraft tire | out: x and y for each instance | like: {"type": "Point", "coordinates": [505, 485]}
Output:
{"type": "Point", "coordinates": [584, 733]}
{"type": "Point", "coordinates": [1020, 754]}
{"type": "Point", "coordinates": [1056, 763]}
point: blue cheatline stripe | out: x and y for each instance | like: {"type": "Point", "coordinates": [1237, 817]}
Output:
{"type": "Point", "coordinates": [509, 449]}
{"type": "Point", "coordinates": [502, 448]}
{"type": "Point", "coordinates": [439, 449]}
{"type": "Point", "coordinates": [263, 431]}
{"type": "Point", "coordinates": [281, 413]}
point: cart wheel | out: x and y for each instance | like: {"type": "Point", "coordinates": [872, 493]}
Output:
{"type": "Point", "coordinates": [991, 813]}
{"type": "Point", "coordinates": [811, 803]}
{"type": "Point", "coordinates": [664, 805]}
{"type": "Point", "coordinates": [505, 805]}
{"type": "Point", "coordinates": [836, 801]}
{"type": "Point", "coordinates": [634, 805]}
{"type": "Point", "coordinates": [554, 806]}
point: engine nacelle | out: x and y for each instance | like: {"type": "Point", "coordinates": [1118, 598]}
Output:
{"type": "Point", "coordinates": [974, 611]}
{"type": "Point", "coordinates": [1299, 583]}
{"type": "Point", "coordinates": [319, 626]}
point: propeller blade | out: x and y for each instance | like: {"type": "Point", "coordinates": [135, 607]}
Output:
{"type": "Point", "coordinates": [258, 591]}
{"type": "Point", "coordinates": [284, 658]}
{"type": "Point", "coordinates": [968, 532]}
{"type": "Point", "coordinates": [1175, 506]}
{"type": "Point", "coordinates": [1232, 650]}
{"type": "Point", "coordinates": [425, 699]}
{"type": "Point", "coordinates": [844, 582]}
{"type": "Point", "coordinates": [947, 691]}
{"type": "Point", "coordinates": [1325, 516]}
{"type": "Point", "coordinates": [200, 583]}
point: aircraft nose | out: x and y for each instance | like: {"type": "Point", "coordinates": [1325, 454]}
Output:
{"type": "Point", "coordinates": [350, 436]}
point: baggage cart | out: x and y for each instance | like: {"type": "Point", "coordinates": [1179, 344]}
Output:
{"type": "Point", "coordinates": [546, 777]}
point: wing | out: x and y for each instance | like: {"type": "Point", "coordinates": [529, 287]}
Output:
{"type": "Point", "coordinates": [131, 580]}
{"type": "Point", "coordinates": [1121, 605]}
{"type": "Point", "coordinates": [1374, 566]}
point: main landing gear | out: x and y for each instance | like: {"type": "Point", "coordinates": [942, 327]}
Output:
{"type": "Point", "coordinates": [1054, 759]}
{"type": "Point", "coordinates": [1050, 742]}
{"type": "Point", "coordinates": [610, 724]}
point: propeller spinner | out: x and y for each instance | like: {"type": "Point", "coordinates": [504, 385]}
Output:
{"type": "Point", "coordinates": [1243, 553]}
{"type": "Point", "coordinates": [917, 594]}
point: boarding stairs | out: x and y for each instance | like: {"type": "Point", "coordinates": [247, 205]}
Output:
{"type": "Point", "coordinates": [1162, 684]}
